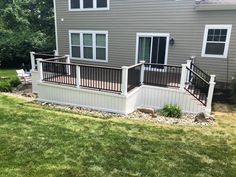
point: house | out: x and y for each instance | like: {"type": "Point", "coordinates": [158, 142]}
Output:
{"type": "Point", "coordinates": [103, 43]}
{"type": "Point", "coordinates": [132, 30]}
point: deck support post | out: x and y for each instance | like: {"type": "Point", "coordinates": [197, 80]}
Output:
{"type": "Point", "coordinates": [68, 68]}
{"type": "Point", "coordinates": [78, 76]}
{"type": "Point", "coordinates": [210, 93]}
{"type": "Point", "coordinates": [142, 72]}
{"type": "Point", "coordinates": [124, 83]}
{"type": "Point", "coordinates": [40, 68]}
{"type": "Point", "coordinates": [183, 77]}
{"type": "Point", "coordinates": [32, 58]}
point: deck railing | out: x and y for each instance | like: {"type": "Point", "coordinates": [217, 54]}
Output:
{"type": "Point", "coordinates": [101, 78]}
{"type": "Point", "coordinates": [60, 73]}
{"type": "Point", "coordinates": [197, 86]}
{"type": "Point", "coordinates": [162, 75]}
{"type": "Point", "coordinates": [42, 55]}
{"type": "Point", "coordinates": [123, 80]}
{"type": "Point", "coordinates": [200, 72]}
{"type": "Point", "coordinates": [134, 76]}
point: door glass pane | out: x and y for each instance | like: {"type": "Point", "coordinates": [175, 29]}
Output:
{"type": "Point", "coordinates": [101, 3]}
{"type": "Point", "coordinates": [88, 52]}
{"type": "Point", "coordinates": [101, 40]}
{"type": "Point", "coordinates": [215, 49]}
{"type": "Point", "coordinates": [75, 4]}
{"type": "Point", "coordinates": [75, 51]}
{"type": "Point", "coordinates": [144, 49]}
{"type": "Point", "coordinates": [155, 49]}
{"type": "Point", "coordinates": [88, 3]}
{"type": "Point", "coordinates": [75, 39]}
{"type": "Point", "coordinates": [101, 53]}
{"type": "Point", "coordinates": [162, 50]}
{"type": "Point", "coordinates": [88, 39]}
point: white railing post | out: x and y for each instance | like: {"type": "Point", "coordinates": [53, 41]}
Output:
{"type": "Point", "coordinates": [68, 67]}
{"type": "Point", "coordinates": [32, 58]}
{"type": "Point", "coordinates": [189, 63]}
{"type": "Point", "coordinates": [56, 52]}
{"type": "Point", "coordinates": [78, 76]}
{"type": "Point", "coordinates": [124, 83]}
{"type": "Point", "coordinates": [40, 68]}
{"type": "Point", "coordinates": [183, 77]}
{"type": "Point", "coordinates": [142, 72]}
{"type": "Point", "coordinates": [210, 93]}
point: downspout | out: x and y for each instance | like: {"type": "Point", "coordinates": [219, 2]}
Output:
{"type": "Point", "coordinates": [227, 70]}
{"type": "Point", "coordinates": [55, 22]}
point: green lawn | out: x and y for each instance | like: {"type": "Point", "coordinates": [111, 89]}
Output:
{"type": "Point", "coordinates": [36, 141]}
{"type": "Point", "coordinates": [10, 79]}
{"type": "Point", "coordinates": [7, 72]}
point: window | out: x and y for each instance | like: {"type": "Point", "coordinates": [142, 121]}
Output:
{"type": "Point", "coordinates": [216, 41]}
{"type": "Point", "coordinates": [75, 45]}
{"type": "Point", "coordinates": [74, 4]}
{"type": "Point", "coordinates": [89, 45]}
{"type": "Point", "coordinates": [83, 5]}
{"type": "Point", "coordinates": [152, 48]}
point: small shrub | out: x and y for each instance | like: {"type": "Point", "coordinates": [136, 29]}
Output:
{"type": "Point", "coordinates": [171, 111]}
{"type": "Point", "coordinates": [8, 84]}
{"type": "Point", "coordinates": [14, 82]}
{"type": "Point", "coordinates": [5, 87]}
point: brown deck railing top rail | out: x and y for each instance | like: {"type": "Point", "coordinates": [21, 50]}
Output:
{"type": "Point", "coordinates": [162, 75]}
{"type": "Point", "coordinates": [197, 86]}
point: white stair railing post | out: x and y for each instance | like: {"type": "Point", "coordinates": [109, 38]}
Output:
{"type": "Point", "coordinates": [189, 63]}
{"type": "Point", "coordinates": [40, 68]}
{"type": "Point", "coordinates": [183, 77]}
{"type": "Point", "coordinates": [32, 58]}
{"type": "Point", "coordinates": [124, 82]}
{"type": "Point", "coordinates": [78, 76]}
{"type": "Point", "coordinates": [142, 72]}
{"type": "Point", "coordinates": [210, 93]}
{"type": "Point", "coordinates": [68, 68]}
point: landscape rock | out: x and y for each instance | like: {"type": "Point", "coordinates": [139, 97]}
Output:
{"type": "Point", "coordinates": [200, 118]}
{"type": "Point", "coordinates": [147, 111]}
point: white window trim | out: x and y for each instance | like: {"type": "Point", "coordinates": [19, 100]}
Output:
{"type": "Point", "coordinates": [207, 27]}
{"type": "Point", "coordinates": [167, 35]}
{"type": "Point", "coordinates": [88, 9]}
{"type": "Point", "coordinates": [81, 32]}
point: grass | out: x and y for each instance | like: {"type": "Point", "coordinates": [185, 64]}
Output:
{"type": "Point", "coordinates": [36, 141]}
{"type": "Point", "coordinates": [11, 80]}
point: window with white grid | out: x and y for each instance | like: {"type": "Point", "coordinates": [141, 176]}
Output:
{"type": "Point", "coordinates": [216, 41]}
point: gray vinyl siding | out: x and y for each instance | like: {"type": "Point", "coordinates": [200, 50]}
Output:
{"type": "Point", "coordinates": [128, 17]}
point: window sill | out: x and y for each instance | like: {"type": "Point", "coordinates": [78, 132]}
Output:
{"type": "Point", "coordinates": [91, 9]}
{"type": "Point", "coordinates": [214, 56]}
{"type": "Point", "coordinates": [91, 60]}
